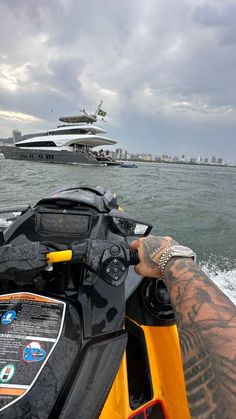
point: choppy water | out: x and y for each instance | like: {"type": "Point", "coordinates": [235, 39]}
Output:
{"type": "Point", "coordinates": [194, 204]}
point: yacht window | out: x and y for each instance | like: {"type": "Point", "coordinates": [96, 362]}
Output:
{"type": "Point", "coordinates": [37, 144]}
{"type": "Point", "coordinates": [68, 131]}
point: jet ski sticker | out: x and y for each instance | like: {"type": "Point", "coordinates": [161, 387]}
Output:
{"type": "Point", "coordinates": [7, 373]}
{"type": "Point", "coordinates": [30, 328]}
{"type": "Point", "coordinates": [33, 352]}
{"type": "Point", "coordinates": [8, 317]}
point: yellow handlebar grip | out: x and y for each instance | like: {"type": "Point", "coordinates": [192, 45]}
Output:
{"type": "Point", "coordinates": [62, 256]}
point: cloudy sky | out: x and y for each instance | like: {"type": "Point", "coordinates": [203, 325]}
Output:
{"type": "Point", "coordinates": [165, 70]}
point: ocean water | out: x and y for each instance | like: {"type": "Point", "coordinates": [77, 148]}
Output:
{"type": "Point", "coordinates": [196, 205]}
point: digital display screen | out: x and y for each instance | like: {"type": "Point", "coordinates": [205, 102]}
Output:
{"type": "Point", "coordinates": [64, 223]}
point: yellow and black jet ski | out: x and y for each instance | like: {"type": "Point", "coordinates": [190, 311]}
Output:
{"type": "Point", "coordinates": [85, 337]}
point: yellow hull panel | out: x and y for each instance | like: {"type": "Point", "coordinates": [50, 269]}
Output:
{"type": "Point", "coordinates": [166, 375]}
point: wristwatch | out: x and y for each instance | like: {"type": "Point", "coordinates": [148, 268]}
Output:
{"type": "Point", "coordinates": [172, 252]}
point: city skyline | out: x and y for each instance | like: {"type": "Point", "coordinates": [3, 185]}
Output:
{"type": "Point", "coordinates": [124, 154]}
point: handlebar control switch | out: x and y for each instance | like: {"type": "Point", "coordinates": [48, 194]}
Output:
{"type": "Point", "coordinates": [109, 260]}
{"type": "Point", "coordinates": [115, 271]}
{"type": "Point", "coordinates": [115, 250]}
{"type": "Point", "coordinates": [114, 263]}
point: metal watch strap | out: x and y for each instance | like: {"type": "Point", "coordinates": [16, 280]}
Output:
{"type": "Point", "coordinates": [171, 252]}
{"type": "Point", "coordinates": [165, 257]}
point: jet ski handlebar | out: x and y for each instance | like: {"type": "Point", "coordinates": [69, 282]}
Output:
{"type": "Point", "coordinates": [108, 260]}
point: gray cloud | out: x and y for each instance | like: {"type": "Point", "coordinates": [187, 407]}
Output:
{"type": "Point", "coordinates": [216, 14]}
{"type": "Point", "coordinates": [165, 70]}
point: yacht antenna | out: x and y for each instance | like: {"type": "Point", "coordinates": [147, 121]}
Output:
{"type": "Point", "coordinates": [84, 111]}
{"type": "Point", "coordinates": [96, 113]}
{"type": "Point", "coordinates": [99, 107]}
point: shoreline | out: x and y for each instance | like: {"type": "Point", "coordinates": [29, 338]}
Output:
{"type": "Point", "coordinates": [179, 162]}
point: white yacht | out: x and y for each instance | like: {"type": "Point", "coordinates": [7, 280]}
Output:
{"type": "Point", "coordinates": [71, 142]}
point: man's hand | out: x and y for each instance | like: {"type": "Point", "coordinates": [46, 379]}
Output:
{"type": "Point", "coordinates": [23, 258]}
{"type": "Point", "coordinates": [150, 250]}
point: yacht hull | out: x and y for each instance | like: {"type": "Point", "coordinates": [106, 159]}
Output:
{"type": "Point", "coordinates": [52, 156]}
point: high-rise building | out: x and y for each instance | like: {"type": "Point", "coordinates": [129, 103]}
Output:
{"type": "Point", "coordinates": [121, 154]}
{"type": "Point", "coordinates": [16, 134]}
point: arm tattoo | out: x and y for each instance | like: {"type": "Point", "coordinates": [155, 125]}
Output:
{"type": "Point", "coordinates": [152, 246]}
{"type": "Point", "coordinates": [206, 321]}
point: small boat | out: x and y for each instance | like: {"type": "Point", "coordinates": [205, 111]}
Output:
{"type": "Point", "coordinates": [128, 165]}
{"type": "Point", "coordinates": [85, 337]}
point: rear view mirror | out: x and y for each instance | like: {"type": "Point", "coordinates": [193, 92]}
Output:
{"type": "Point", "coordinates": [127, 225]}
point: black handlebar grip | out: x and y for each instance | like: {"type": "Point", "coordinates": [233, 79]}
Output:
{"type": "Point", "coordinates": [134, 259]}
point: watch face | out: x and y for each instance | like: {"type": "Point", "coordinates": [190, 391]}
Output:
{"type": "Point", "coordinates": [181, 250]}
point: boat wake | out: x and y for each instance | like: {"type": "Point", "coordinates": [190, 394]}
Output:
{"type": "Point", "coordinates": [6, 219]}
{"type": "Point", "coordinates": [224, 279]}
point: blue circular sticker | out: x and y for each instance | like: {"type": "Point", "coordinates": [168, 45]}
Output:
{"type": "Point", "coordinates": [33, 352]}
{"type": "Point", "coordinates": [8, 317]}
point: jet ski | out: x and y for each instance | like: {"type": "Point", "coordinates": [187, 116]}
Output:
{"type": "Point", "coordinates": [85, 337]}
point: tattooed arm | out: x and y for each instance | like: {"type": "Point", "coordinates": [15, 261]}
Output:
{"type": "Point", "coordinates": [206, 322]}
